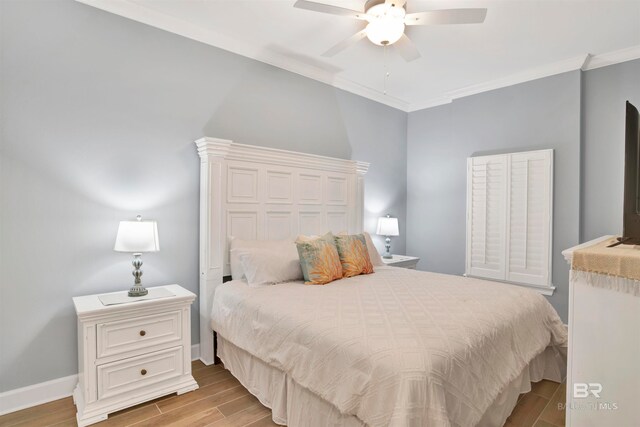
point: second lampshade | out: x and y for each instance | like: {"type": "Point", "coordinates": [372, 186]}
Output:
{"type": "Point", "coordinates": [388, 227]}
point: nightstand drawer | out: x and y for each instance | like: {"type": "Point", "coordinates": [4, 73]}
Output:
{"type": "Point", "coordinates": [138, 333]}
{"type": "Point", "coordinates": [129, 374]}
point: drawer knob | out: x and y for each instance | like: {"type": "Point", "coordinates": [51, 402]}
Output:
{"type": "Point", "coordinates": [143, 333]}
{"type": "Point", "coordinates": [143, 372]}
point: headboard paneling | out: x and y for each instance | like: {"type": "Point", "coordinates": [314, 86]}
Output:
{"type": "Point", "coordinates": [259, 193]}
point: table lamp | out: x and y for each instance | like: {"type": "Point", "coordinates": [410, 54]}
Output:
{"type": "Point", "coordinates": [387, 227]}
{"type": "Point", "coordinates": [137, 237]}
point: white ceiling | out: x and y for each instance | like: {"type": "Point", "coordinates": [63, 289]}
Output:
{"type": "Point", "coordinates": [520, 40]}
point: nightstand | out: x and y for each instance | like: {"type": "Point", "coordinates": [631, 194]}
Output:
{"type": "Point", "coordinates": [402, 261]}
{"type": "Point", "coordinates": [133, 352]}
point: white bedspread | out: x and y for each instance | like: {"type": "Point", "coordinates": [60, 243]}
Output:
{"type": "Point", "coordinates": [395, 348]}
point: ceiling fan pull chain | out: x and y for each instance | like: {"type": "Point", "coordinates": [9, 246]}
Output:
{"type": "Point", "coordinates": [386, 70]}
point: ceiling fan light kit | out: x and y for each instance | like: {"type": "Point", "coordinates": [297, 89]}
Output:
{"type": "Point", "coordinates": [386, 24]}
{"type": "Point", "coordinates": [387, 21]}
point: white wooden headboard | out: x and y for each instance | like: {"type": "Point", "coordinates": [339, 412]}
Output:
{"type": "Point", "coordinates": [259, 193]}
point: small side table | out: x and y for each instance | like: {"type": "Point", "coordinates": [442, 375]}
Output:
{"type": "Point", "coordinates": [133, 352]}
{"type": "Point", "coordinates": [402, 261]}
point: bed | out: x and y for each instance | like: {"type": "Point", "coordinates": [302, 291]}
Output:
{"type": "Point", "coordinates": [394, 348]}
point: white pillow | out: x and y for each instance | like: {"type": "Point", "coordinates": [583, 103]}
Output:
{"type": "Point", "coordinates": [275, 246]}
{"type": "Point", "coordinates": [264, 267]}
{"type": "Point", "coordinates": [374, 255]}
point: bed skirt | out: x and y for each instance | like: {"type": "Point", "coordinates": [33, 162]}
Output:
{"type": "Point", "coordinates": [295, 406]}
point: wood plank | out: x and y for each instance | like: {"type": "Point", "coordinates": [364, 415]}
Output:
{"type": "Point", "coordinates": [527, 411]}
{"type": "Point", "coordinates": [554, 413]}
{"type": "Point", "coordinates": [544, 388]}
{"type": "Point", "coordinates": [237, 405]}
{"type": "Point", "coordinates": [251, 414]}
{"type": "Point", "coordinates": [67, 423]}
{"type": "Point", "coordinates": [188, 411]}
{"type": "Point", "coordinates": [197, 365]}
{"type": "Point", "coordinates": [175, 402]}
{"type": "Point", "coordinates": [20, 417]}
{"type": "Point", "coordinates": [264, 422]}
{"type": "Point", "coordinates": [213, 378]}
{"type": "Point", "coordinates": [541, 423]}
{"type": "Point", "coordinates": [61, 410]}
{"type": "Point", "coordinates": [192, 419]}
{"type": "Point", "coordinates": [131, 415]}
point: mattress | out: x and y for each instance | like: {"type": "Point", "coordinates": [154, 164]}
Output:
{"type": "Point", "coordinates": [395, 348]}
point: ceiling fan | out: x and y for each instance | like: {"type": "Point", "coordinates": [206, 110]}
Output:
{"type": "Point", "coordinates": [386, 21]}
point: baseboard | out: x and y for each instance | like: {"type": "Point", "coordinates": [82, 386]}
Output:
{"type": "Point", "coordinates": [195, 352]}
{"type": "Point", "coordinates": [37, 394]}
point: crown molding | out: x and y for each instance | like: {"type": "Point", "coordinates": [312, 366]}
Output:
{"type": "Point", "coordinates": [429, 103]}
{"type": "Point", "coordinates": [611, 58]}
{"type": "Point", "coordinates": [583, 62]}
{"type": "Point", "coordinates": [571, 64]}
{"type": "Point", "coordinates": [183, 28]}
{"type": "Point", "coordinates": [535, 73]}
{"type": "Point", "coordinates": [145, 15]}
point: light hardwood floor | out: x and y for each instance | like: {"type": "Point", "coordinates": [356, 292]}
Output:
{"type": "Point", "coordinates": [221, 401]}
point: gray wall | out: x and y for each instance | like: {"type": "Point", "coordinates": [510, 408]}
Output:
{"type": "Point", "coordinates": [99, 115]}
{"type": "Point", "coordinates": [98, 118]}
{"type": "Point", "coordinates": [540, 114]}
{"type": "Point", "coordinates": [604, 92]}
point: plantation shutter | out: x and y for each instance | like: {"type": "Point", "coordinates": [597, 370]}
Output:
{"type": "Point", "coordinates": [487, 185]}
{"type": "Point", "coordinates": [509, 209]}
{"type": "Point", "coordinates": [529, 243]}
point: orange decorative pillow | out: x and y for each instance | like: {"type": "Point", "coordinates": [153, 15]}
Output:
{"type": "Point", "coordinates": [354, 255]}
{"type": "Point", "coordinates": [319, 260]}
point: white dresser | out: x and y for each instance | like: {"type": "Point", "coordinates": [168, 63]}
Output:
{"type": "Point", "coordinates": [131, 353]}
{"type": "Point", "coordinates": [603, 372]}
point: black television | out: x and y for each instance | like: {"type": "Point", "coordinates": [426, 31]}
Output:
{"type": "Point", "coordinates": [631, 215]}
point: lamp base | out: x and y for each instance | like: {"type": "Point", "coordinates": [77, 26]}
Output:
{"type": "Point", "coordinates": [387, 246]}
{"type": "Point", "coordinates": [137, 291]}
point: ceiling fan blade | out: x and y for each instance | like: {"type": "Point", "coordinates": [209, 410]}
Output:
{"type": "Point", "coordinates": [325, 8]}
{"type": "Point", "coordinates": [407, 49]}
{"type": "Point", "coordinates": [446, 16]}
{"type": "Point", "coordinates": [345, 43]}
{"type": "Point", "coordinates": [398, 3]}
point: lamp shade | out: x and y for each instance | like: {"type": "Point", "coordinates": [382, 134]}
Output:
{"type": "Point", "coordinates": [137, 236]}
{"type": "Point", "coordinates": [387, 226]}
